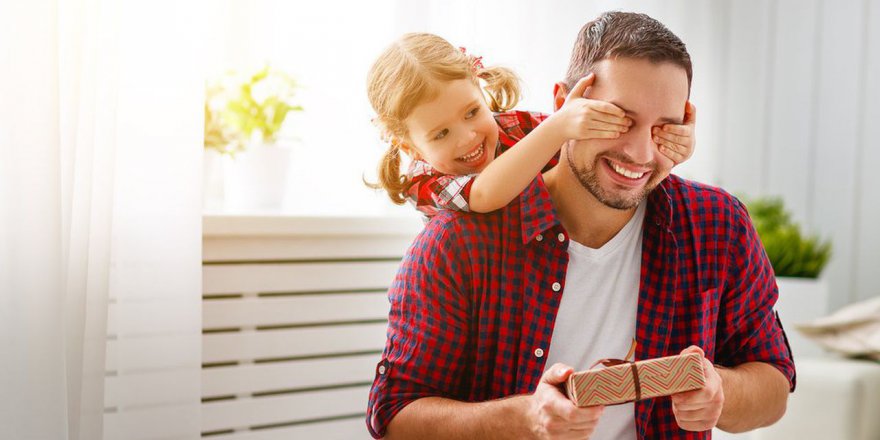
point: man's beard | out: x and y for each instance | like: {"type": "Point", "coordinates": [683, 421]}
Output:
{"type": "Point", "coordinates": [589, 179]}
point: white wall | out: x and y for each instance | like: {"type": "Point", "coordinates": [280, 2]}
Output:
{"type": "Point", "coordinates": [801, 88]}
{"type": "Point", "coordinates": [786, 90]}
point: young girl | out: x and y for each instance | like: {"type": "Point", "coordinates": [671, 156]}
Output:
{"type": "Point", "coordinates": [431, 106]}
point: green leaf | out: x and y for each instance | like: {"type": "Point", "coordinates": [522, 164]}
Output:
{"type": "Point", "coordinates": [791, 252]}
{"type": "Point", "coordinates": [233, 124]}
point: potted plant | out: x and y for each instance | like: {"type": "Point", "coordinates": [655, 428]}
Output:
{"type": "Point", "coordinates": [244, 116]}
{"type": "Point", "coordinates": [798, 260]}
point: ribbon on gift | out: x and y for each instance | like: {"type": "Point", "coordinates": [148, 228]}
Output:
{"type": "Point", "coordinates": [629, 359]}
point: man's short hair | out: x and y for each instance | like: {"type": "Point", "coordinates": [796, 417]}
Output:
{"type": "Point", "coordinates": [625, 35]}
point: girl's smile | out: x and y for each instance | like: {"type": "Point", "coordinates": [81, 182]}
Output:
{"type": "Point", "coordinates": [454, 132]}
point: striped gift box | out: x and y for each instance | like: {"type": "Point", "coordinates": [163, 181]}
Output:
{"type": "Point", "coordinates": [617, 384]}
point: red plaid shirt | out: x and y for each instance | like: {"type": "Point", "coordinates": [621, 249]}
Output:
{"type": "Point", "coordinates": [432, 191]}
{"type": "Point", "coordinates": [477, 294]}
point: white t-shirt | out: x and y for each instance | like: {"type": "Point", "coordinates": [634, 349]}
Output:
{"type": "Point", "coordinates": [597, 314]}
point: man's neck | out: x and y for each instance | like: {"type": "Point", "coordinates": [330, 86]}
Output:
{"type": "Point", "coordinates": [587, 220]}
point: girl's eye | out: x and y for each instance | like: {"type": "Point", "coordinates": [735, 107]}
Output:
{"type": "Point", "coordinates": [472, 113]}
{"type": "Point", "coordinates": [442, 134]}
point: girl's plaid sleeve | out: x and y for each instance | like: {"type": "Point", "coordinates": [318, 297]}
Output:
{"type": "Point", "coordinates": [431, 190]}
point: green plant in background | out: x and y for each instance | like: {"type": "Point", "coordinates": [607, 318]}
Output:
{"type": "Point", "coordinates": [791, 253]}
{"type": "Point", "coordinates": [242, 110]}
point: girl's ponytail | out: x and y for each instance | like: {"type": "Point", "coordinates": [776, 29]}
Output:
{"type": "Point", "coordinates": [501, 86]}
{"type": "Point", "coordinates": [390, 178]}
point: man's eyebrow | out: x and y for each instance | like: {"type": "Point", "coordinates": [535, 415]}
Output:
{"type": "Point", "coordinates": [665, 120]}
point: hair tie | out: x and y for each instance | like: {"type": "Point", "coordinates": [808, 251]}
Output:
{"type": "Point", "coordinates": [476, 62]}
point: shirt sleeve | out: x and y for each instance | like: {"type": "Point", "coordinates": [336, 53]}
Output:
{"type": "Point", "coordinates": [750, 328]}
{"type": "Point", "coordinates": [431, 191]}
{"type": "Point", "coordinates": [427, 328]}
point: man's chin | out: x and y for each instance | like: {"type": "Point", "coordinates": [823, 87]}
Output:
{"type": "Point", "coordinates": [623, 203]}
{"type": "Point", "coordinates": [615, 196]}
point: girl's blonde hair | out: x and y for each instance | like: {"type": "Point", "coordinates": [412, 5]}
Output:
{"type": "Point", "coordinates": [413, 70]}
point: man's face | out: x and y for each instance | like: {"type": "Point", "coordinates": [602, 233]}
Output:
{"type": "Point", "coordinates": [621, 172]}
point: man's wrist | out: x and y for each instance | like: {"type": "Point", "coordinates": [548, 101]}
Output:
{"type": "Point", "coordinates": [514, 422]}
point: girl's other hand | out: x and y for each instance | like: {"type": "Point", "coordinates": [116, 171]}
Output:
{"type": "Point", "coordinates": [677, 141]}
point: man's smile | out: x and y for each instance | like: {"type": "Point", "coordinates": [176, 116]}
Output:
{"type": "Point", "coordinates": [626, 174]}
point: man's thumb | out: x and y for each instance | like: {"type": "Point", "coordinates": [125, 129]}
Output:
{"type": "Point", "coordinates": [557, 374]}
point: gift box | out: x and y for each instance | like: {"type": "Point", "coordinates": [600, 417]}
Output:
{"type": "Point", "coordinates": [621, 381]}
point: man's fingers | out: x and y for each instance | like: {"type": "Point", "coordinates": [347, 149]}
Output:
{"type": "Point", "coordinates": [687, 396]}
{"type": "Point", "coordinates": [697, 420]}
{"type": "Point", "coordinates": [695, 406]}
{"type": "Point", "coordinates": [693, 349]}
{"type": "Point", "coordinates": [557, 374]}
{"type": "Point", "coordinates": [581, 418]}
{"type": "Point", "coordinates": [691, 400]}
{"type": "Point", "coordinates": [581, 87]}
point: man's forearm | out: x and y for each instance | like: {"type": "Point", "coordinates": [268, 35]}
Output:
{"type": "Point", "coordinates": [436, 417]}
{"type": "Point", "coordinates": [755, 395]}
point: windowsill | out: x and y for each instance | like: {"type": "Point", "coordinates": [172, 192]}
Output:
{"type": "Point", "coordinates": [216, 224]}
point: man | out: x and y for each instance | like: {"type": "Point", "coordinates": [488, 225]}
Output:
{"type": "Point", "coordinates": [606, 248]}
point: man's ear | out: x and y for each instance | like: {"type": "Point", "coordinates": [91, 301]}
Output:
{"type": "Point", "coordinates": [560, 92]}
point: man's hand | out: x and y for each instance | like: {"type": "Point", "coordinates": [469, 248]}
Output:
{"type": "Point", "coordinates": [553, 416]}
{"type": "Point", "coordinates": [699, 410]}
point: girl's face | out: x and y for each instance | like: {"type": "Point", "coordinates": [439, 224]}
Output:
{"type": "Point", "coordinates": [456, 132]}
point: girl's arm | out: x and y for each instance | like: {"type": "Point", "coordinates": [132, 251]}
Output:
{"type": "Point", "coordinates": [579, 118]}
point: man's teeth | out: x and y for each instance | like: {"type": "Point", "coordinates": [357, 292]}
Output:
{"type": "Point", "coordinates": [625, 172]}
{"type": "Point", "coordinates": [473, 156]}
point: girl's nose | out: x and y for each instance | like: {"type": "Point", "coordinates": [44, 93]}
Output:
{"type": "Point", "coordinates": [469, 138]}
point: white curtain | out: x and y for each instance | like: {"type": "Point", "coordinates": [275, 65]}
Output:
{"type": "Point", "coordinates": [100, 226]}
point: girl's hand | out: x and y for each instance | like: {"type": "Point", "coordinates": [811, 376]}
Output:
{"type": "Point", "coordinates": [584, 118]}
{"type": "Point", "coordinates": [677, 141]}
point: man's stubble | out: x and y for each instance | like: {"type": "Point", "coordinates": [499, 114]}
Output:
{"type": "Point", "coordinates": [589, 179]}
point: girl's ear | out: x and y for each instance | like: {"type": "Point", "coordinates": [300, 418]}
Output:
{"type": "Point", "coordinates": [406, 148]}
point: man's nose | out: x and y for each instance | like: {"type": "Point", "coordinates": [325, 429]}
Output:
{"type": "Point", "coordinates": [639, 145]}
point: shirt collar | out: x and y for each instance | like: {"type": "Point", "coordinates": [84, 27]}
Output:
{"type": "Point", "coordinates": [660, 203]}
{"type": "Point", "coordinates": [538, 214]}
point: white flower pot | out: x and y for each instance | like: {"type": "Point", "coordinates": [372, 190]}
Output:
{"type": "Point", "coordinates": [212, 180]}
{"type": "Point", "coordinates": [256, 180]}
{"type": "Point", "coordinates": [801, 300]}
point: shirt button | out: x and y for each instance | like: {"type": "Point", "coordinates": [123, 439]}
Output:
{"type": "Point", "coordinates": [561, 237]}
{"type": "Point", "coordinates": [539, 353]}
{"type": "Point", "coordinates": [657, 221]}
{"type": "Point", "coordinates": [539, 237]}
{"type": "Point", "coordinates": [556, 287]}
{"type": "Point", "coordinates": [381, 369]}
